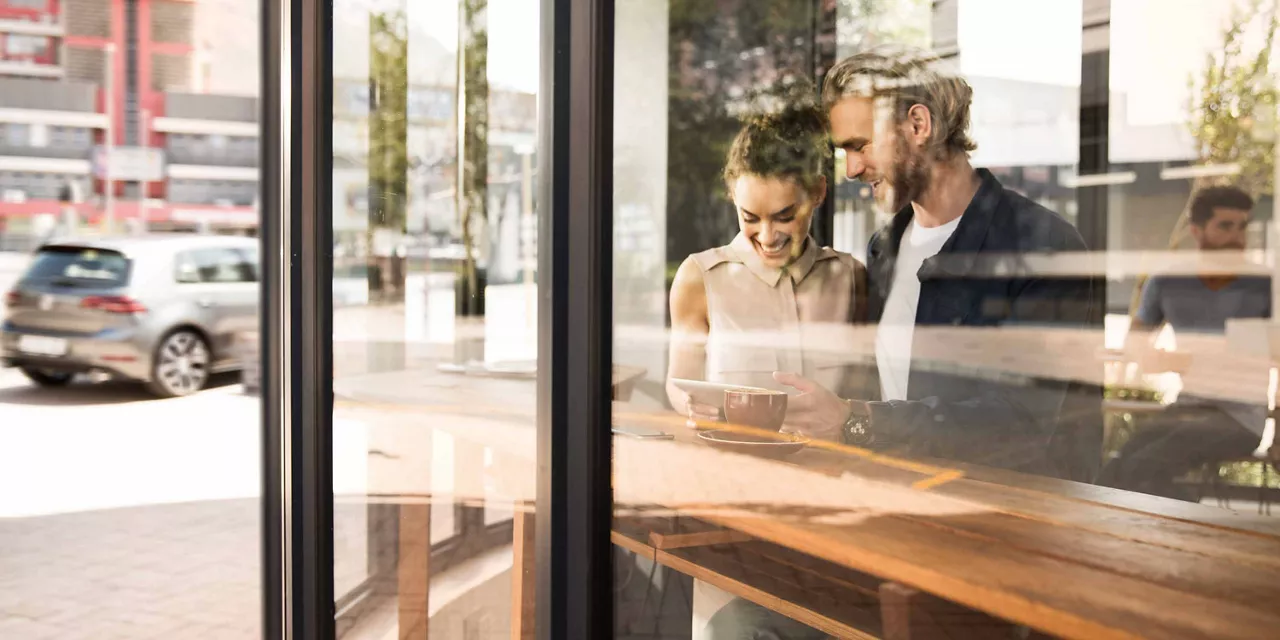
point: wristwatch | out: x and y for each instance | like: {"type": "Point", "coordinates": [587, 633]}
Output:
{"type": "Point", "coordinates": [857, 427]}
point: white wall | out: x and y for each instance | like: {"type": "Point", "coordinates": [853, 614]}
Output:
{"type": "Point", "coordinates": [1026, 107]}
{"type": "Point", "coordinates": [640, 177]}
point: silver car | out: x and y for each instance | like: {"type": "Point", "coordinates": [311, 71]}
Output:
{"type": "Point", "coordinates": [159, 309]}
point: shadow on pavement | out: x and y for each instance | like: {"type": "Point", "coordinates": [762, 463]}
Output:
{"type": "Point", "coordinates": [88, 393]}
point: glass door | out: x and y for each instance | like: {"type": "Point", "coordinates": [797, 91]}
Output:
{"type": "Point", "coordinates": [945, 318]}
{"type": "Point", "coordinates": [436, 325]}
{"type": "Point", "coordinates": [434, 247]}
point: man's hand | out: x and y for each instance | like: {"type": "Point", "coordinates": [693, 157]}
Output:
{"type": "Point", "coordinates": [816, 412]}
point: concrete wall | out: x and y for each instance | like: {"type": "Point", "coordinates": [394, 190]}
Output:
{"type": "Point", "coordinates": [211, 107]}
{"type": "Point", "coordinates": [22, 93]}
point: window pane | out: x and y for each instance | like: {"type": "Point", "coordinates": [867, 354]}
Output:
{"type": "Point", "coordinates": [435, 316]}
{"type": "Point", "coordinates": [130, 429]}
{"type": "Point", "coordinates": [86, 265]}
{"type": "Point", "coordinates": [947, 315]}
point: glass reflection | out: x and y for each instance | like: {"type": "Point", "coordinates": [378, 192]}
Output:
{"type": "Point", "coordinates": [130, 430]}
{"type": "Point", "coordinates": [434, 226]}
{"type": "Point", "coordinates": [1054, 370]}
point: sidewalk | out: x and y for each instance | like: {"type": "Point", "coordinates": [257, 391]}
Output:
{"type": "Point", "coordinates": [188, 570]}
{"type": "Point", "coordinates": [167, 571]}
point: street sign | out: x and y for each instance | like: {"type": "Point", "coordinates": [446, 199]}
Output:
{"type": "Point", "coordinates": [129, 164]}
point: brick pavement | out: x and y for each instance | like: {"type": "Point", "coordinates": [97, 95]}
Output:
{"type": "Point", "coordinates": [164, 571]}
{"type": "Point", "coordinates": [189, 570]}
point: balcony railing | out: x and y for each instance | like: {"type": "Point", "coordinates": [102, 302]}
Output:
{"type": "Point", "coordinates": [63, 152]}
{"type": "Point", "coordinates": [208, 157]}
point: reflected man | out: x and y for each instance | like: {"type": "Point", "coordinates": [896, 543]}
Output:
{"type": "Point", "coordinates": [1195, 431]}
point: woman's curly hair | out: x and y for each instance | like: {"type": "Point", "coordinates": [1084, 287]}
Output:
{"type": "Point", "coordinates": [790, 143]}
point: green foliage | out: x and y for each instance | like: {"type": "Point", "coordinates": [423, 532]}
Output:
{"type": "Point", "coordinates": [866, 23]}
{"type": "Point", "coordinates": [473, 85]}
{"type": "Point", "coordinates": [388, 119]}
{"type": "Point", "coordinates": [1233, 109]}
{"type": "Point", "coordinates": [1248, 474]}
{"type": "Point", "coordinates": [734, 57]}
{"type": "Point", "coordinates": [726, 59]}
{"type": "Point", "coordinates": [1136, 394]}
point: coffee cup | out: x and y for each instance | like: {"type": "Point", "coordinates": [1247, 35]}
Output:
{"type": "Point", "coordinates": [760, 408]}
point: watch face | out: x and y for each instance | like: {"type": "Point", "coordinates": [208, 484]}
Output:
{"type": "Point", "coordinates": [856, 432]}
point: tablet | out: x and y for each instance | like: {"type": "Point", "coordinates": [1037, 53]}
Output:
{"type": "Point", "coordinates": [709, 393]}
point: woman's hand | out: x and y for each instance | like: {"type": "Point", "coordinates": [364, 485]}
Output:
{"type": "Point", "coordinates": [701, 413]}
{"type": "Point", "coordinates": [816, 411]}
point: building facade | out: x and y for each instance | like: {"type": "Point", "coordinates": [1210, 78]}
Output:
{"type": "Point", "coordinates": [112, 104]}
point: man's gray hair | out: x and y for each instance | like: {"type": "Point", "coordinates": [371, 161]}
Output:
{"type": "Point", "coordinates": [908, 77]}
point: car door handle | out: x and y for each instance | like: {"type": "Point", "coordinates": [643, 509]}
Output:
{"type": "Point", "coordinates": [205, 302]}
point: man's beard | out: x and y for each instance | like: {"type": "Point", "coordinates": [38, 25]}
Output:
{"type": "Point", "coordinates": [911, 176]}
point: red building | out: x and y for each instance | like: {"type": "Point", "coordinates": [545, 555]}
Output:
{"type": "Point", "coordinates": [75, 73]}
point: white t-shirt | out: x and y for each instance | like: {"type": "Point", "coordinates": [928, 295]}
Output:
{"type": "Point", "coordinates": [898, 322]}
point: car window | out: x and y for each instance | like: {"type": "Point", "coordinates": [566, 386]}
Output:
{"type": "Point", "coordinates": [249, 257]}
{"type": "Point", "coordinates": [79, 266]}
{"type": "Point", "coordinates": [214, 266]}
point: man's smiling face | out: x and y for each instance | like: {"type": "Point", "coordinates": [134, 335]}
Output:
{"type": "Point", "coordinates": [876, 152]}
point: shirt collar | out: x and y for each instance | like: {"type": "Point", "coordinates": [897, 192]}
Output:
{"type": "Point", "coordinates": [743, 252]}
{"type": "Point", "coordinates": [967, 240]}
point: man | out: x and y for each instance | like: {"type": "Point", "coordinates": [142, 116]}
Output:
{"type": "Point", "coordinates": [953, 255]}
{"type": "Point", "coordinates": [1195, 431]}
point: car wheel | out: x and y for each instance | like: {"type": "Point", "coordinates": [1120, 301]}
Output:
{"type": "Point", "coordinates": [180, 366]}
{"type": "Point", "coordinates": [48, 378]}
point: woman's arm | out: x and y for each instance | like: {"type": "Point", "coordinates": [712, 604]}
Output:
{"type": "Point", "coordinates": [687, 355]}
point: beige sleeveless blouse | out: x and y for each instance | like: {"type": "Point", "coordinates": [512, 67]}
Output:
{"type": "Point", "coordinates": [758, 314]}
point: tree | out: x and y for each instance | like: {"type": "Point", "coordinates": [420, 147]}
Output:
{"type": "Point", "coordinates": [727, 59]}
{"type": "Point", "coordinates": [1236, 100]}
{"type": "Point", "coordinates": [734, 57]}
{"type": "Point", "coordinates": [865, 23]}
{"type": "Point", "coordinates": [473, 151]}
{"type": "Point", "coordinates": [388, 136]}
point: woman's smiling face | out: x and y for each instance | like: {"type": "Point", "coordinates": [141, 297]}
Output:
{"type": "Point", "coordinates": [774, 214]}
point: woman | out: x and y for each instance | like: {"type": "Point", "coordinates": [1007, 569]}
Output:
{"type": "Point", "coordinates": [740, 312]}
